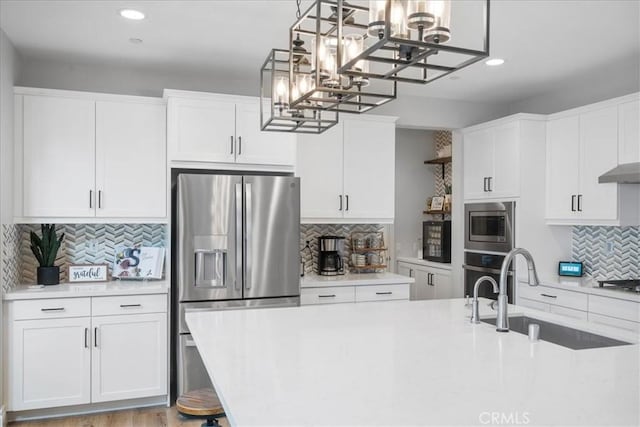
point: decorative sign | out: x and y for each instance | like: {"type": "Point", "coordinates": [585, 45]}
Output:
{"type": "Point", "coordinates": [89, 273]}
{"type": "Point", "coordinates": [138, 263]}
{"type": "Point", "coordinates": [437, 203]}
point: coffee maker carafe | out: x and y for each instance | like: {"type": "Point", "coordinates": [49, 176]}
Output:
{"type": "Point", "coordinates": [330, 255]}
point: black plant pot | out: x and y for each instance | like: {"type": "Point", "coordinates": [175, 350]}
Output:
{"type": "Point", "coordinates": [48, 275]}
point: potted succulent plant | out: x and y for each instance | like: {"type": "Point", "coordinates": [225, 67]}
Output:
{"type": "Point", "coordinates": [45, 250]}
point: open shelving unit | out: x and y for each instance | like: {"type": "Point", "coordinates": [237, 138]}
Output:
{"type": "Point", "coordinates": [442, 161]}
{"type": "Point", "coordinates": [380, 250]}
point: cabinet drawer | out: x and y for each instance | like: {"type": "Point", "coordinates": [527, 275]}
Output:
{"type": "Point", "coordinates": [616, 323]}
{"type": "Point", "coordinates": [529, 303]}
{"type": "Point", "coordinates": [128, 304]}
{"type": "Point", "coordinates": [612, 307]}
{"type": "Point", "coordinates": [327, 295]}
{"type": "Point", "coordinates": [51, 308]}
{"type": "Point", "coordinates": [382, 292]}
{"type": "Point", "coordinates": [568, 312]}
{"type": "Point", "coordinates": [575, 300]}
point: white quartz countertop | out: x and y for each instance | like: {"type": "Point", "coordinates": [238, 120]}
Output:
{"type": "Point", "coordinates": [408, 363]}
{"type": "Point", "coordinates": [588, 286]}
{"type": "Point", "coordinates": [87, 289]}
{"type": "Point", "coordinates": [425, 263]}
{"type": "Point", "coordinates": [363, 279]}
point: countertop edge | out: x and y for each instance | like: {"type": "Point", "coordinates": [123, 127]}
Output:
{"type": "Point", "coordinates": [93, 289]}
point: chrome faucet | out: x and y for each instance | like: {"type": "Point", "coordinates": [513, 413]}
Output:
{"type": "Point", "coordinates": [502, 321]}
{"type": "Point", "coordinates": [475, 314]}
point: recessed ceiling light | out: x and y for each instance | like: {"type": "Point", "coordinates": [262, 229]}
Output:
{"type": "Point", "coordinates": [135, 40]}
{"type": "Point", "coordinates": [136, 15]}
{"type": "Point", "coordinates": [494, 62]}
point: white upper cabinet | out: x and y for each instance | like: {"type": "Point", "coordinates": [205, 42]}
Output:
{"type": "Point", "coordinates": [58, 149]}
{"type": "Point", "coordinates": [88, 156]}
{"type": "Point", "coordinates": [582, 145]}
{"type": "Point", "coordinates": [201, 131]}
{"type": "Point", "coordinates": [492, 161]}
{"type": "Point", "coordinates": [563, 167]}
{"type": "Point", "coordinates": [369, 155]}
{"type": "Point", "coordinates": [347, 173]}
{"type": "Point", "coordinates": [629, 132]}
{"type": "Point", "coordinates": [320, 168]}
{"type": "Point", "coordinates": [130, 160]}
{"type": "Point", "coordinates": [212, 128]}
{"type": "Point", "coordinates": [259, 147]}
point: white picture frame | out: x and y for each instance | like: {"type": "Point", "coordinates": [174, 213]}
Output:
{"type": "Point", "coordinates": [437, 203]}
{"type": "Point", "coordinates": [88, 273]}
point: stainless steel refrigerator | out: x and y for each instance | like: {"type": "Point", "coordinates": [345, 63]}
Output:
{"type": "Point", "coordinates": [237, 246]}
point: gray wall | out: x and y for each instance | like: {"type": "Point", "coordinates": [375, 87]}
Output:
{"type": "Point", "coordinates": [609, 81]}
{"type": "Point", "coordinates": [416, 112]}
{"type": "Point", "coordinates": [414, 184]}
{"type": "Point", "coordinates": [9, 63]}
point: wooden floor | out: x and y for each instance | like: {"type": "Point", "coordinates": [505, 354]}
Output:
{"type": "Point", "coordinates": [145, 417]}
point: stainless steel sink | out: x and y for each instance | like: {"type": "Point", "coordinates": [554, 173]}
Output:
{"type": "Point", "coordinates": [567, 337]}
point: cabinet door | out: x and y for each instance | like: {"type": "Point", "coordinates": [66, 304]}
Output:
{"type": "Point", "coordinates": [505, 179]}
{"type": "Point", "coordinates": [129, 356]}
{"type": "Point", "coordinates": [201, 130]}
{"type": "Point", "coordinates": [50, 363]}
{"type": "Point", "coordinates": [563, 160]}
{"type": "Point", "coordinates": [369, 169]}
{"type": "Point", "coordinates": [629, 132]}
{"type": "Point", "coordinates": [257, 147]}
{"type": "Point", "coordinates": [423, 287]}
{"type": "Point", "coordinates": [59, 157]}
{"type": "Point", "coordinates": [319, 166]}
{"type": "Point", "coordinates": [131, 160]}
{"type": "Point", "coordinates": [478, 163]}
{"type": "Point", "coordinates": [443, 284]}
{"type": "Point", "coordinates": [598, 154]}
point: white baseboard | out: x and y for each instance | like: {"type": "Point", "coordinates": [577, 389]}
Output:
{"type": "Point", "coordinates": [68, 411]}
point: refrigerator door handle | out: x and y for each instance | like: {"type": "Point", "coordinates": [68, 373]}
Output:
{"type": "Point", "coordinates": [239, 244]}
{"type": "Point", "coordinates": [248, 227]}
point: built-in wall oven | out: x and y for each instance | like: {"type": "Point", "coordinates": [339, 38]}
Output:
{"type": "Point", "coordinates": [489, 236]}
{"type": "Point", "coordinates": [489, 226]}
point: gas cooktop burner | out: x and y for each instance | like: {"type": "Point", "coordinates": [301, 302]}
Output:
{"type": "Point", "coordinates": [631, 285]}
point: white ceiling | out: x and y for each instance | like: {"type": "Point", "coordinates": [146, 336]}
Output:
{"type": "Point", "coordinates": [543, 42]}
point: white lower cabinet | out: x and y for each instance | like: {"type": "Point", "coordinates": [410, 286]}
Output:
{"type": "Point", "coordinates": [356, 293]}
{"type": "Point", "coordinates": [129, 356]}
{"type": "Point", "coordinates": [59, 355]}
{"type": "Point", "coordinates": [430, 282]}
{"type": "Point", "coordinates": [604, 310]}
{"type": "Point", "coordinates": [49, 363]}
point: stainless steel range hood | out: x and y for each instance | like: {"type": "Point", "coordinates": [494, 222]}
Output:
{"type": "Point", "coordinates": [628, 173]}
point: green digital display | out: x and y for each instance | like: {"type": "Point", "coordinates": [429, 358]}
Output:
{"type": "Point", "coordinates": [572, 269]}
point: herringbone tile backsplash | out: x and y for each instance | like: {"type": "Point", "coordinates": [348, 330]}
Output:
{"type": "Point", "coordinates": [83, 244]}
{"type": "Point", "coordinates": [311, 232]}
{"type": "Point", "coordinates": [608, 252]}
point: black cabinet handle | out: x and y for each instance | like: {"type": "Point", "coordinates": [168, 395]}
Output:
{"type": "Point", "coordinates": [384, 293]}
{"type": "Point", "coordinates": [326, 296]}
{"type": "Point", "coordinates": [489, 183]}
{"type": "Point", "coordinates": [573, 203]}
{"type": "Point", "coordinates": [99, 199]}
{"type": "Point", "coordinates": [347, 199]}
{"type": "Point", "coordinates": [410, 272]}
{"type": "Point", "coordinates": [95, 337]}
{"type": "Point", "coordinates": [340, 197]}
{"type": "Point", "coordinates": [52, 309]}
{"type": "Point", "coordinates": [549, 296]}
{"type": "Point", "coordinates": [484, 184]}
{"type": "Point", "coordinates": [579, 202]}
{"type": "Point", "coordinates": [90, 199]}
{"type": "Point", "coordinates": [86, 337]}
{"type": "Point", "coordinates": [239, 145]}
{"type": "Point", "coordinates": [231, 144]}
{"type": "Point", "coordinates": [130, 305]}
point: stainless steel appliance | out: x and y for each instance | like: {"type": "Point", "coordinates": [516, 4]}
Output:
{"type": "Point", "coordinates": [477, 265]}
{"type": "Point", "coordinates": [330, 255]}
{"type": "Point", "coordinates": [236, 246]}
{"type": "Point", "coordinates": [489, 226]}
{"type": "Point", "coordinates": [632, 285]}
{"type": "Point", "coordinates": [436, 241]}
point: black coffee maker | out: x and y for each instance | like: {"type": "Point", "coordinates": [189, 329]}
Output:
{"type": "Point", "coordinates": [330, 255]}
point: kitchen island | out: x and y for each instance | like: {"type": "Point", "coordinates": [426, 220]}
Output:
{"type": "Point", "coordinates": [409, 363]}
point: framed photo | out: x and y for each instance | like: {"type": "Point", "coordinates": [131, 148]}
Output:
{"type": "Point", "coordinates": [88, 273]}
{"type": "Point", "coordinates": [437, 203]}
{"type": "Point", "coordinates": [138, 263]}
